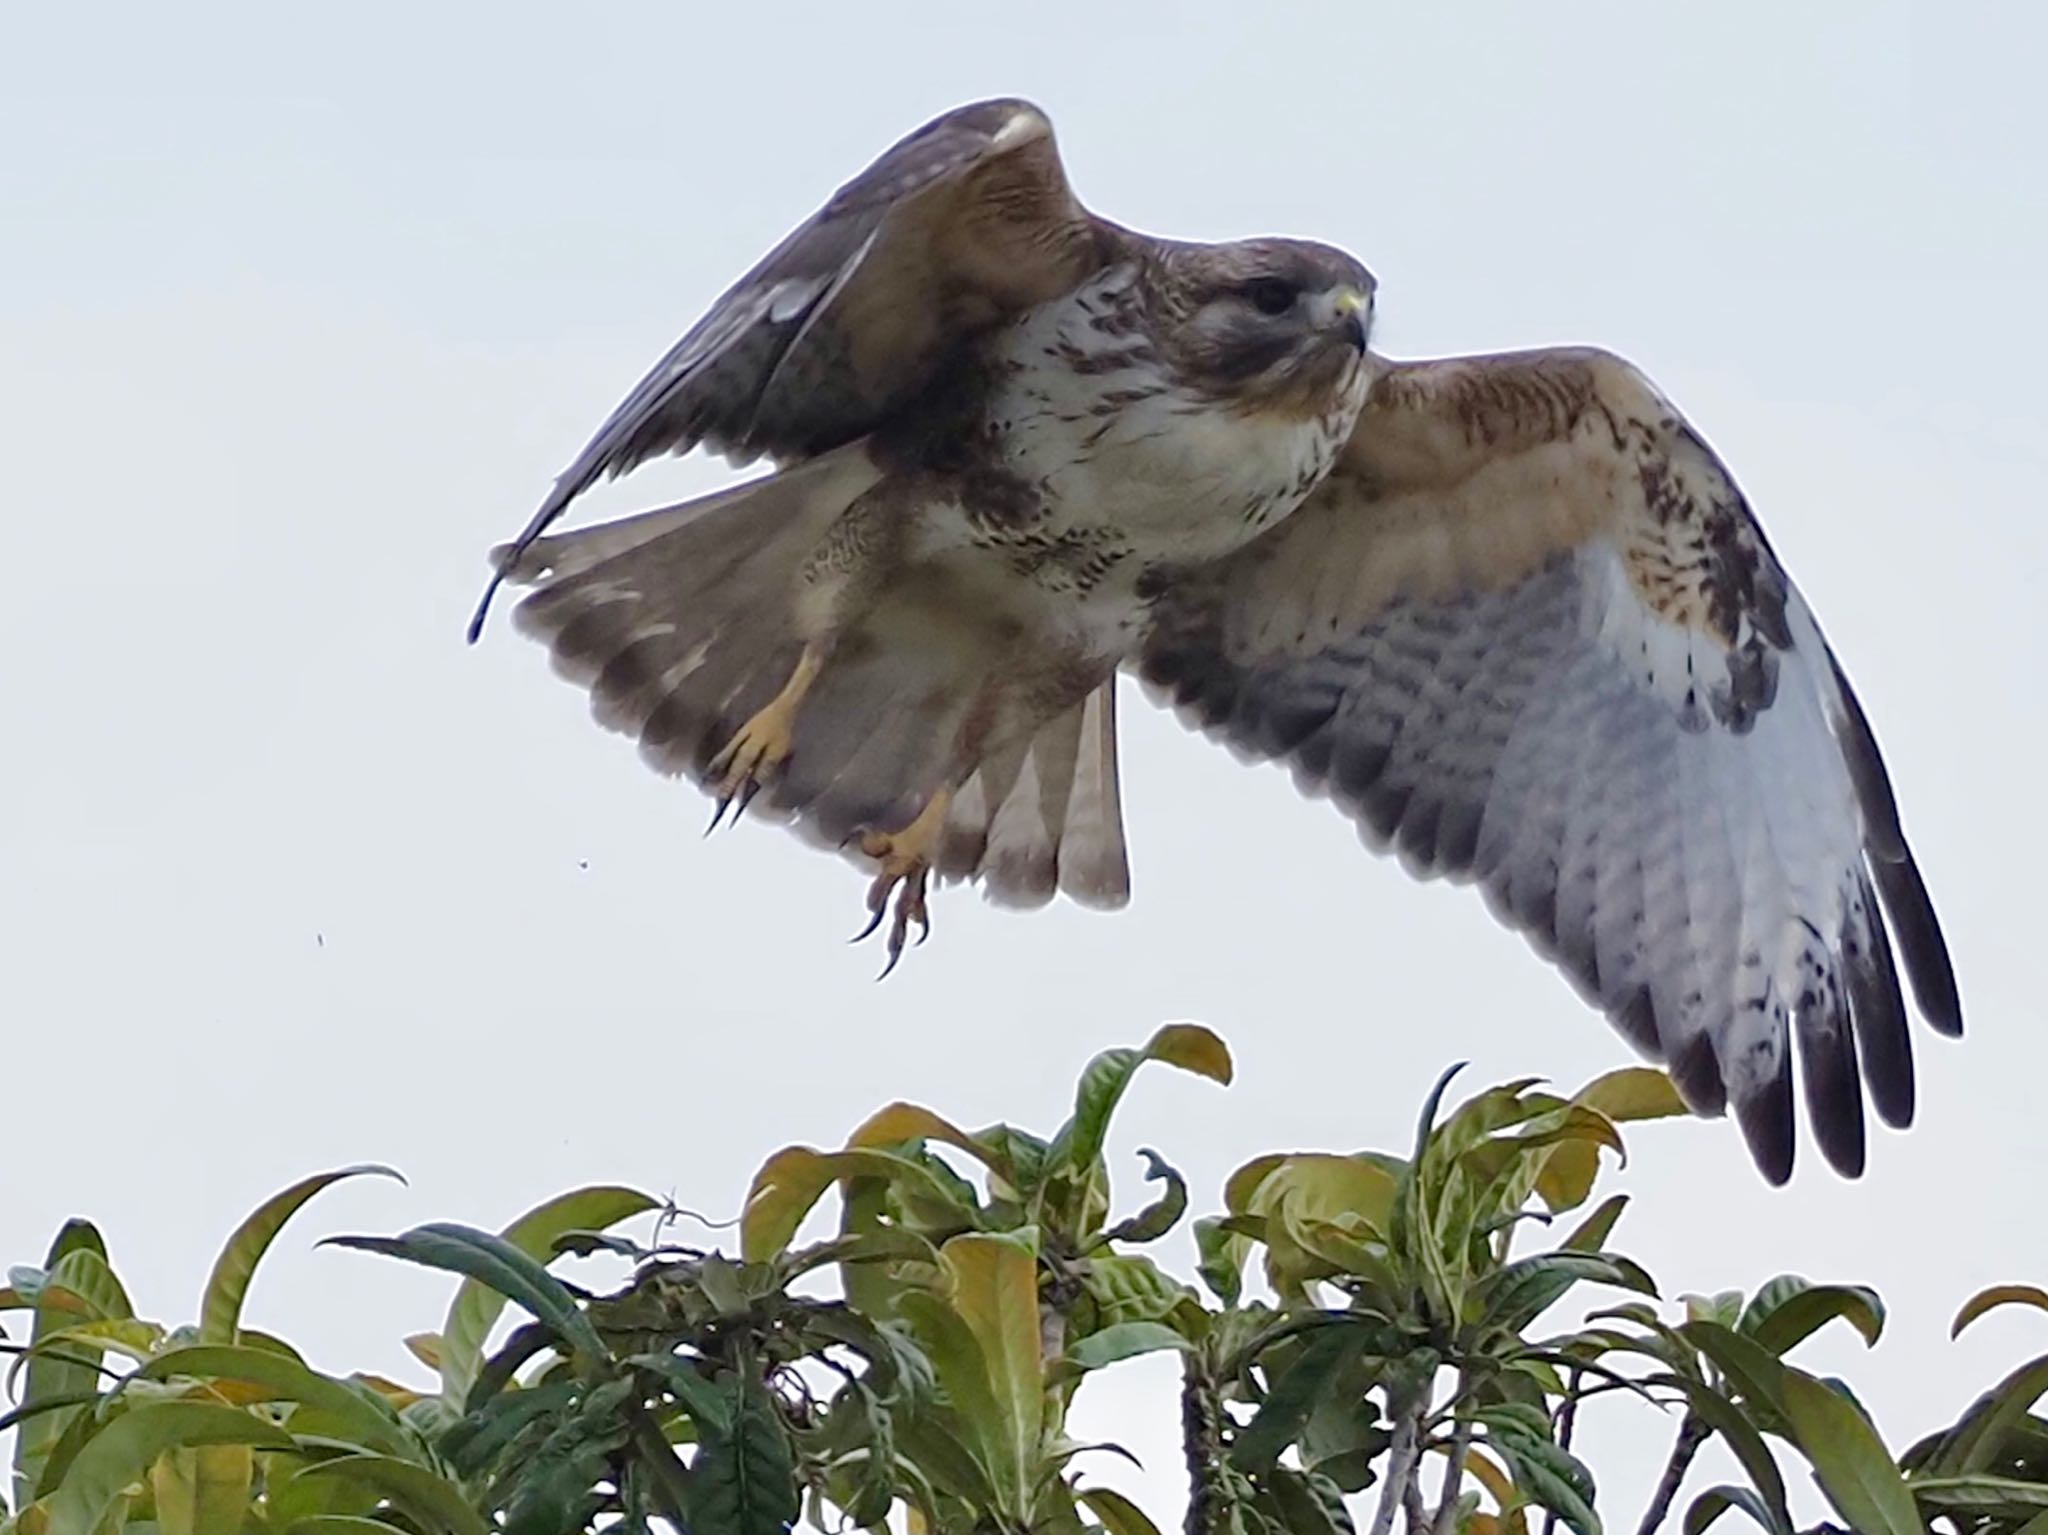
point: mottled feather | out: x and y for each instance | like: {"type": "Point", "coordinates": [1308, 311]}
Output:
{"type": "Point", "coordinates": [1529, 634]}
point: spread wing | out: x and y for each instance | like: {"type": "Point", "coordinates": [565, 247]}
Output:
{"type": "Point", "coordinates": [966, 221]}
{"type": "Point", "coordinates": [1528, 633]}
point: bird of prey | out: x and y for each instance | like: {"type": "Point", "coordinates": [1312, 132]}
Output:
{"type": "Point", "coordinates": [1511, 613]}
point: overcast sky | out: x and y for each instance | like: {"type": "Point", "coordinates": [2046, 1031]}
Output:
{"type": "Point", "coordinates": [301, 309]}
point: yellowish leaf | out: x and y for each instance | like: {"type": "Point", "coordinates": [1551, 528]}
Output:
{"type": "Point", "coordinates": [1996, 1296]}
{"type": "Point", "coordinates": [1194, 1048]}
{"type": "Point", "coordinates": [992, 1283]}
{"type": "Point", "coordinates": [1634, 1092]}
{"type": "Point", "coordinates": [898, 1122]}
{"type": "Point", "coordinates": [203, 1490]}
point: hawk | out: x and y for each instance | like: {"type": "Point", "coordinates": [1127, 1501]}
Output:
{"type": "Point", "coordinates": [1511, 613]}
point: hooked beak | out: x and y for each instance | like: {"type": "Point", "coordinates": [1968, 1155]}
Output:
{"type": "Point", "coordinates": [1354, 314]}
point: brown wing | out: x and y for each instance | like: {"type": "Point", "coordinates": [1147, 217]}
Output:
{"type": "Point", "coordinates": [1529, 634]}
{"type": "Point", "coordinates": [962, 223]}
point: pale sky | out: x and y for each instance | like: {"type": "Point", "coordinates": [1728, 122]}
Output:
{"type": "Point", "coordinates": [302, 308]}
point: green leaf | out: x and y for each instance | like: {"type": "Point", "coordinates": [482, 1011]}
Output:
{"type": "Point", "coordinates": [710, 1408]}
{"type": "Point", "coordinates": [1856, 1471]}
{"type": "Point", "coordinates": [743, 1480]}
{"type": "Point", "coordinates": [1516, 1295]}
{"type": "Point", "coordinates": [48, 1404]}
{"type": "Point", "coordinates": [1789, 1309]}
{"type": "Point", "coordinates": [477, 1304]}
{"type": "Point", "coordinates": [1322, 1214]}
{"type": "Point", "coordinates": [991, 1477]}
{"type": "Point", "coordinates": [125, 1335]}
{"type": "Point", "coordinates": [1716, 1501]}
{"type": "Point", "coordinates": [371, 1421]}
{"type": "Point", "coordinates": [1741, 1437]}
{"type": "Point", "coordinates": [1549, 1476]}
{"type": "Point", "coordinates": [1159, 1217]}
{"type": "Point", "coordinates": [1222, 1253]}
{"type": "Point", "coordinates": [341, 1524]}
{"type": "Point", "coordinates": [1758, 1376]}
{"type": "Point", "coordinates": [1119, 1515]}
{"type": "Point", "coordinates": [202, 1489]}
{"type": "Point", "coordinates": [492, 1260]}
{"type": "Point", "coordinates": [992, 1285]}
{"type": "Point", "coordinates": [75, 1284]}
{"type": "Point", "coordinates": [1997, 1497]}
{"type": "Point", "coordinates": [1633, 1093]}
{"type": "Point", "coordinates": [122, 1452]}
{"type": "Point", "coordinates": [1724, 1308]}
{"type": "Point", "coordinates": [897, 1123]}
{"type": "Point", "coordinates": [1119, 1341]}
{"type": "Point", "coordinates": [220, 1306]}
{"type": "Point", "coordinates": [1132, 1288]}
{"type": "Point", "coordinates": [1307, 1503]}
{"type": "Point", "coordinates": [1976, 1440]}
{"type": "Point", "coordinates": [1996, 1296]}
{"type": "Point", "coordinates": [795, 1178]}
{"type": "Point", "coordinates": [431, 1499]}
{"type": "Point", "coordinates": [1329, 1350]}
{"type": "Point", "coordinates": [1591, 1234]}
{"type": "Point", "coordinates": [472, 1445]}
{"type": "Point", "coordinates": [1188, 1046]}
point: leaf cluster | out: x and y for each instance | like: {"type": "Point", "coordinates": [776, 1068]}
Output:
{"type": "Point", "coordinates": [1377, 1341]}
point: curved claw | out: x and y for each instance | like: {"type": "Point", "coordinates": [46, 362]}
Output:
{"type": "Point", "coordinates": [906, 867]}
{"type": "Point", "coordinates": [748, 790]}
{"type": "Point", "coordinates": [875, 911]}
{"type": "Point", "coordinates": [908, 887]}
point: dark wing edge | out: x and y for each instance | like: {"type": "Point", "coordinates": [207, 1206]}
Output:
{"type": "Point", "coordinates": [1530, 635]}
{"type": "Point", "coordinates": [966, 220]}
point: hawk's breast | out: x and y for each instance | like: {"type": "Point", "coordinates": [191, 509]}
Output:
{"type": "Point", "coordinates": [1089, 413]}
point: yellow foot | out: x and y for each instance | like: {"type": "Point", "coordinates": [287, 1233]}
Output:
{"type": "Point", "coordinates": [761, 745]}
{"type": "Point", "coordinates": [906, 859]}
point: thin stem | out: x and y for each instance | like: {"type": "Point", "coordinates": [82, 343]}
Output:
{"type": "Point", "coordinates": [1567, 1420]}
{"type": "Point", "coordinates": [1411, 1501]}
{"type": "Point", "coordinates": [1692, 1433]}
{"type": "Point", "coordinates": [1401, 1459]}
{"type": "Point", "coordinates": [1201, 1432]}
{"type": "Point", "coordinates": [1454, 1479]}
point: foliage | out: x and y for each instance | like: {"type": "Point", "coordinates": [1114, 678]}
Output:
{"type": "Point", "coordinates": [920, 1361]}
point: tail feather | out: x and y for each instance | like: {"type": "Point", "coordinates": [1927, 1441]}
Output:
{"type": "Point", "coordinates": [1046, 817]}
{"type": "Point", "coordinates": [682, 624]}
{"type": "Point", "coordinates": [680, 621]}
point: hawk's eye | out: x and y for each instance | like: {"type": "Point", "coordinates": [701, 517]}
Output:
{"type": "Point", "coordinates": [1270, 295]}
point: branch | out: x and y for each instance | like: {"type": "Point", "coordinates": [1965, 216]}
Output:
{"type": "Point", "coordinates": [1692, 1433]}
{"type": "Point", "coordinates": [1402, 1458]}
{"type": "Point", "coordinates": [1411, 1501]}
{"type": "Point", "coordinates": [1454, 1479]}
{"type": "Point", "coordinates": [1201, 1432]}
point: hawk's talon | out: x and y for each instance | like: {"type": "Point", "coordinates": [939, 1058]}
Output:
{"type": "Point", "coordinates": [748, 790]}
{"type": "Point", "coordinates": [761, 746]}
{"type": "Point", "coordinates": [909, 908]}
{"type": "Point", "coordinates": [906, 860]}
{"type": "Point", "coordinates": [878, 906]}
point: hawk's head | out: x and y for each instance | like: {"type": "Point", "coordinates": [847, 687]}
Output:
{"type": "Point", "coordinates": [1267, 325]}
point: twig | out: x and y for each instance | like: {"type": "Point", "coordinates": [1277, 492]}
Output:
{"type": "Point", "coordinates": [1454, 1479]}
{"type": "Point", "coordinates": [1567, 1420]}
{"type": "Point", "coordinates": [1692, 1433]}
{"type": "Point", "coordinates": [1411, 1501]}
{"type": "Point", "coordinates": [1401, 1459]}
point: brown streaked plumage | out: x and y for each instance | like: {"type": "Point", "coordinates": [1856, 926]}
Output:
{"type": "Point", "coordinates": [1527, 633]}
{"type": "Point", "coordinates": [1511, 613]}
